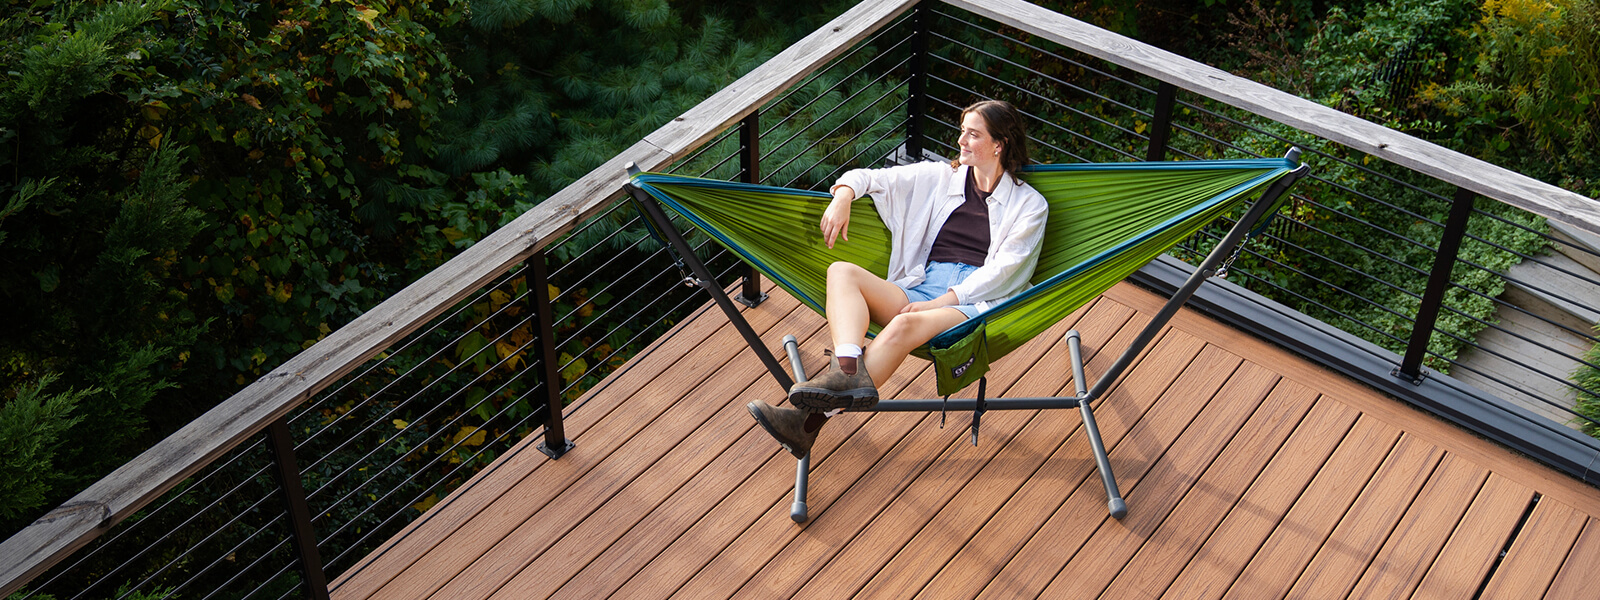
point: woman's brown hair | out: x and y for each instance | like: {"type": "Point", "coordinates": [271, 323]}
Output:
{"type": "Point", "coordinates": [1005, 126]}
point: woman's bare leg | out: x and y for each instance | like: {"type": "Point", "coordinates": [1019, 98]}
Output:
{"type": "Point", "coordinates": [857, 297]}
{"type": "Point", "coordinates": [903, 334]}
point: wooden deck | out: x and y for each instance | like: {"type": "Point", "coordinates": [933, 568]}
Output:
{"type": "Point", "coordinates": [1248, 474]}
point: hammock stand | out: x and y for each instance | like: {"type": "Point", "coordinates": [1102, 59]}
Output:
{"type": "Point", "coordinates": [697, 274]}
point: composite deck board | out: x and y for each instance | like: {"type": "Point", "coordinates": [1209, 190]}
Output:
{"type": "Point", "coordinates": [1206, 542]}
{"type": "Point", "coordinates": [1070, 467]}
{"type": "Point", "coordinates": [663, 525]}
{"type": "Point", "coordinates": [1246, 470]}
{"type": "Point", "coordinates": [454, 556]}
{"type": "Point", "coordinates": [849, 438]}
{"type": "Point", "coordinates": [431, 540]}
{"type": "Point", "coordinates": [960, 465]}
{"type": "Point", "coordinates": [1576, 578]}
{"type": "Point", "coordinates": [1537, 553]}
{"type": "Point", "coordinates": [1341, 560]}
{"type": "Point", "coordinates": [891, 473]}
{"type": "Point", "coordinates": [423, 535]}
{"type": "Point", "coordinates": [711, 433]}
{"type": "Point", "coordinates": [1146, 548]}
{"type": "Point", "coordinates": [650, 446]}
{"type": "Point", "coordinates": [1233, 412]}
{"type": "Point", "coordinates": [1315, 513]}
{"type": "Point", "coordinates": [1398, 568]}
{"type": "Point", "coordinates": [893, 493]}
{"type": "Point", "coordinates": [910, 566]}
{"type": "Point", "coordinates": [1132, 457]}
{"type": "Point", "coordinates": [1459, 570]}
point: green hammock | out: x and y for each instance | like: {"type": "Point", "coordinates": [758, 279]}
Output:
{"type": "Point", "coordinates": [1106, 221]}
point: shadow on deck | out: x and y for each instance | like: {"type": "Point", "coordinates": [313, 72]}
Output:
{"type": "Point", "coordinates": [1248, 472]}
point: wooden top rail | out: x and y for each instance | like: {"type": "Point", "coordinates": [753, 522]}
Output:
{"type": "Point", "coordinates": [110, 500]}
{"type": "Point", "coordinates": [1430, 159]}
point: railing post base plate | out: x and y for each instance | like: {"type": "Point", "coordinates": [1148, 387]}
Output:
{"type": "Point", "coordinates": [555, 453]}
{"type": "Point", "coordinates": [1412, 379]}
{"type": "Point", "coordinates": [747, 301]}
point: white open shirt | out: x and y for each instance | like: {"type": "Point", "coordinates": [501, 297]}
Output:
{"type": "Point", "coordinates": [914, 202]}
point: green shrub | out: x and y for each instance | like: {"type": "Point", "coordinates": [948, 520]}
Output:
{"type": "Point", "coordinates": [1588, 405]}
{"type": "Point", "coordinates": [31, 427]}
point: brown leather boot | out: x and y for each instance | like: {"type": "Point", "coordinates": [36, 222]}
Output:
{"type": "Point", "coordinates": [834, 390]}
{"type": "Point", "coordinates": [785, 424]}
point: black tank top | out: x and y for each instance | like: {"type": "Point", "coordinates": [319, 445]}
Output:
{"type": "Point", "coordinates": [964, 238]}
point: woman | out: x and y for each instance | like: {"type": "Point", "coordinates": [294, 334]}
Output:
{"type": "Point", "coordinates": [964, 237]}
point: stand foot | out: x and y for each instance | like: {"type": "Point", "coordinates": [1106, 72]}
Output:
{"type": "Point", "coordinates": [802, 473]}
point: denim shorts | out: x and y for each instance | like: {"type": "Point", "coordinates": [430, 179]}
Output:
{"type": "Point", "coordinates": [939, 277]}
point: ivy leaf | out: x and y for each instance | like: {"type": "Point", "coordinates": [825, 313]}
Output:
{"type": "Point", "coordinates": [366, 15]}
{"type": "Point", "coordinates": [426, 503]}
{"type": "Point", "coordinates": [470, 345]}
{"type": "Point", "coordinates": [468, 436]}
{"type": "Point", "coordinates": [574, 370]}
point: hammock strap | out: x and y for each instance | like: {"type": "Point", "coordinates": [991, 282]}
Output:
{"type": "Point", "coordinates": [1272, 213]}
{"type": "Point", "coordinates": [650, 227]}
{"type": "Point", "coordinates": [1222, 269]}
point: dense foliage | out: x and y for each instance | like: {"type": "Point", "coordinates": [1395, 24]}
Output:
{"type": "Point", "coordinates": [197, 190]}
{"type": "Point", "coordinates": [1372, 226]}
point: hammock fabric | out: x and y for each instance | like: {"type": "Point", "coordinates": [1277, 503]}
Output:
{"type": "Point", "coordinates": [1106, 221]}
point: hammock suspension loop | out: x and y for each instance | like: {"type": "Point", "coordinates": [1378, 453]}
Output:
{"type": "Point", "coordinates": [1222, 269]}
{"type": "Point", "coordinates": [649, 227]}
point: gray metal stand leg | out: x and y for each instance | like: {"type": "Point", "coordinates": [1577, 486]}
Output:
{"type": "Point", "coordinates": [802, 468]}
{"type": "Point", "coordinates": [1114, 501]}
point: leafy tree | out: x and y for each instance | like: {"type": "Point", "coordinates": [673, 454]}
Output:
{"type": "Point", "coordinates": [91, 234]}
{"type": "Point", "coordinates": [1529, 94]}
{"type": "Point", "coordinates": [197, 183]}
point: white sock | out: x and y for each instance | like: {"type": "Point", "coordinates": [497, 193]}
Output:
{"type": "Point", "coordinates": [833, 412]}
{"type": "Point", "coordinates": [847, 351]}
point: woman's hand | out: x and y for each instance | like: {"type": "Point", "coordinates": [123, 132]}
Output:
{"type": "Point", "coordinates": [947, 299]}
{"type": "Point", "coordinates": [836, 220]}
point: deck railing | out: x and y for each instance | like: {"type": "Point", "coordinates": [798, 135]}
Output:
{"type": "Point", "coordinates": [293, 480]}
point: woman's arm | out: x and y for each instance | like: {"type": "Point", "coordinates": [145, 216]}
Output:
{"type": "Point", "coordinates": [894, 190]}
{"type": "Point", "coordinates": [947, 299]}
{"type": "Point", "coordinates": [836, 219]}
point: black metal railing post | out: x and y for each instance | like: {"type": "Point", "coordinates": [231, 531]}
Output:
{"type": "Point", "coordinates": [917, 82]}
{"type": "Point", "coordinates": [555, 441]}
{"type": "Point", "coordinates": [1444, 261]}
{"type": "Point", "coordinates": [750, 172]}
{"type": "Point", "coordinates": [1161, 126]}
{"type": "Point", "coordinates": [294, 498]}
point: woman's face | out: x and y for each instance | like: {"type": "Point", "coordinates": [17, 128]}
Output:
{"type": "Point", "coordinates": [978, 148]}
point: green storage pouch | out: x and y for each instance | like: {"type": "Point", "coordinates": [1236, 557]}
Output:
{"type": "Point", "coordinates": [963, 362]}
